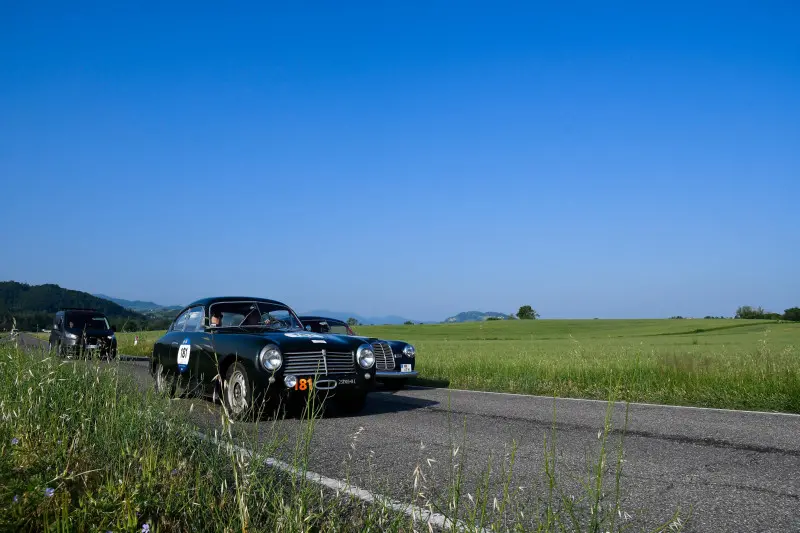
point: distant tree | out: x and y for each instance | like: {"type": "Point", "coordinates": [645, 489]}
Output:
{"type": "Point", "coordinates": [408, 323]}
{"type": "Point", "coordinates": [526, 312]}
{"type": "Point", "coordinates": [747, 312]}
{"type": "Point", "coordinates": [352, 322]}
{"type": "Point", "coordinates": [792, 314]}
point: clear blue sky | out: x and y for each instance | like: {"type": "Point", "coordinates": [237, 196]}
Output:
{"type": "Point", "coordinates": [414, 158]}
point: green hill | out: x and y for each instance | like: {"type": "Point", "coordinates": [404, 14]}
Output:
{"type": "Point", "coordinates": [34, 306]}
{"type": "Point", "coordinates": [477, 316]}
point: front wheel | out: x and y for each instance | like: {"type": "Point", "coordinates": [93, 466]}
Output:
{"type": "Point", "coordinates": [352, 402]}
{"type": "Point", "coordinates": [395, 384]}
{"type": "Point", "coordinates": [163, 384]}
{"type": "Point", "coordinates": [237, 392]}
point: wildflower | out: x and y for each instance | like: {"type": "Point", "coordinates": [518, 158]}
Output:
{"type": "Point", "coordinates": [16, 498]}
{"type": "Point", "coordinates": [49, 492]}
{"type": "Point", "coordinates": [174, 472]}
{"type": "Point", "coordinates": [14, 441]}
{"type": "Point", "coordinates": [145, 528]}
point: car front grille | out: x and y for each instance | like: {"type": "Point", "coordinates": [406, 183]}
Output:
{"type": "Point", "coordinates": [319, 363]}
{"type": "Point", "coordinates": [384, 359]}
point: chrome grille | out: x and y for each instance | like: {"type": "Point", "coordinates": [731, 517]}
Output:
{"type": "Point", "coordinates": [384, 359]}
{"type": "Point", "coordinates": [319, 363]}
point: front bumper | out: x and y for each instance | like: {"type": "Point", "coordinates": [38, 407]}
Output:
{"type": "Point", "coordinates": [328, 383]}
{"type": "Point", "coordinates": [92, 346]}
{"type": "Point", "coordinates": [395, 374]}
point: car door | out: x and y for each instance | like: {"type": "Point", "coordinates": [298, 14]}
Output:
{"type": "Point", "coordinates": [190, 349]}
{"type": "Point", "coordinates": [171, 341]}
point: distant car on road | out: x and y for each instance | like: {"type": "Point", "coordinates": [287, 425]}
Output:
{"type": "Point", "coordinates": [394, 360]}
{"type": "Point", "coordinates": [253, 351]}
{"type": "Point", "coordinates": [82, 332]}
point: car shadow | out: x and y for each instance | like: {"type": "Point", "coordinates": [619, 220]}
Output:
{"type": "Point", "coordinates": [379, 403]}
{"type": "Point", "coordinates": [429, 382]}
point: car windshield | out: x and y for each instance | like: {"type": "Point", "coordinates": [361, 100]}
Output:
{"type": "Point", "coordinates": [253, 315]}
{"type": "Point", "coordinates": [85, 321]}
{"type": "Point", "coordinates": [327, 326]}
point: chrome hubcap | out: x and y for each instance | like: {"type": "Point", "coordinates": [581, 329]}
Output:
{"type": "Point", "coordinates": [236, 392]}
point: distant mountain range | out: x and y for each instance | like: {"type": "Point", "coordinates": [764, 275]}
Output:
{"type": "Point", "coordinates": [377, 320]}
{"type": "Point", "coordinates": [152, 308]}
{"type": "Point", "coordinates": [477, 316]}
{"type": "Point", "coordinates": [139, 305]}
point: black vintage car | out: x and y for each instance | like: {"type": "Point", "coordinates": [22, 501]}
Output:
{"type": "Point", "coordinates": [394, 360]}
{"type": "Point", "coordinates": [80, 332]}
{"type": "Point", "coordinates": [251, 351]}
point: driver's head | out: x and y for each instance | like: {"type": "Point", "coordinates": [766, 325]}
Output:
{"type": "Point", "coordinates": [216, 318]}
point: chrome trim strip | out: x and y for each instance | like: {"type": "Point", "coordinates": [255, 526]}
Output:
{"type": "Point", "coordinates": [395, 374]}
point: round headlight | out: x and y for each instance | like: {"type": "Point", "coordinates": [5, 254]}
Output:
{"type": "Point", "coordinates": [365, 356]}
{"type": "Point", "coordinates": [290, 380]}
{"type": "Point", "coordinates": [409, 351]}
{"type": "Point", "coordinates": [270, 357]}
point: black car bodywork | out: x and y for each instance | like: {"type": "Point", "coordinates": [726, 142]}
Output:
{"type": "Point", "coordinates": [82, 332]}
{"type": "Point", "coordinates": [394, 359]}
{"type": "Point", "coordinates": [259, 353]}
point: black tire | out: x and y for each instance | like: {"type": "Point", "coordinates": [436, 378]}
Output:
{"type": "Point", "coordinates": [163, 383]}
{"type": "Point", "coordinates": [395, 384]}
{"type": "Point", "coordinates": [351, 402]}
{"type": "Point", "coordinates": [237, 392]}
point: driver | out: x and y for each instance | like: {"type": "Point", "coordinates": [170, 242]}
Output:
{"type": "Point", "coordinates": [216, 318]}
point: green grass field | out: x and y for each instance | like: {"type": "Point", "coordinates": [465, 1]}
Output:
{"type": "Point", "coordinates": [740, 364]}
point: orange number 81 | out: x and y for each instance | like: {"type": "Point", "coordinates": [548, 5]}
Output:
{"type": "Point", "coordinates": [303, 384]}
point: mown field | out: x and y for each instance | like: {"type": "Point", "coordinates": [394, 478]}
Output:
{"type": "Point", "coordinates": [741, 364]}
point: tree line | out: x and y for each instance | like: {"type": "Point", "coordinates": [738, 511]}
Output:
{"type": "Point", "coordinates": [33, 307]}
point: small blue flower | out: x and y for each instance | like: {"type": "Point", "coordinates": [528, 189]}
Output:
{"type": "Point", "coordinates": [49, 492]}
{"type": "Point", "coordinates": [145, 528]}
{"type": "Point", "coordinates": [174, 471]}
{"type": "Point", "coordinates": [14, 441]}
{"type": "Point", "coordinates": [16, 498]}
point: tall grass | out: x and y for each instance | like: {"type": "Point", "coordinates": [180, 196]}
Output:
{"type": "Point", "coordinates": [84, 447]}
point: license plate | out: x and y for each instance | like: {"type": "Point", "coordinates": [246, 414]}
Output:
{"type": "Point", "coordinates": [350, 381]}
{"type": "Point", "coordinates": [91, 346]}
{"type": "Point", "coordinates": [304, 384]}
{"type": "Point", "coordinates": [405, 367]}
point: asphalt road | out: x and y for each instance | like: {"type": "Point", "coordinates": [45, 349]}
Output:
{"type": "Point", "coordinates": [735, 471]}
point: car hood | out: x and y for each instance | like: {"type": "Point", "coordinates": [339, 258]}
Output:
{"type": "Point", "coordinates": [304, 341]}
{"type": "Point", "coordinates": [396, 345]}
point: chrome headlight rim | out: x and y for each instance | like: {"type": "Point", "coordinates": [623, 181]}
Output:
{"type": "Point", "coordinates": [365, 356]}
{"type": "Point", "coordinates": [409, 351]}
{"type": "Point", "coordinates": [270, 358]}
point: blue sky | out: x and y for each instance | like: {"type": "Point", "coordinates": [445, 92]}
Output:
{"type": "Point", "coordinates": [418, 159]}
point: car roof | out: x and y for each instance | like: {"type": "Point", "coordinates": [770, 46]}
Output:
{"type": "Point", "coordinates": [220, 299]}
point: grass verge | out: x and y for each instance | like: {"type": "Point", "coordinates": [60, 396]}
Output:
{"type": "Point", "coordinates": [83, 447]}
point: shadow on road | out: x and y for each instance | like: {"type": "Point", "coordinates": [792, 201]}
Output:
{"type": "Point", "coordinates": [428, 382]}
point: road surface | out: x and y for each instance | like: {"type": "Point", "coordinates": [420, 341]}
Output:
{"type": "Point", "coordinates": [737, 471]}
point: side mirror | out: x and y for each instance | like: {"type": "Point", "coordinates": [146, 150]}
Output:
{"type": "Point", "coordinates": [308, 328]}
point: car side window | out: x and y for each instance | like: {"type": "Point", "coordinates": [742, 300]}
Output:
{"type": "Point", "coordinates": [194, 320]}
{"type": "Point", "coordinates": [180, 322]}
